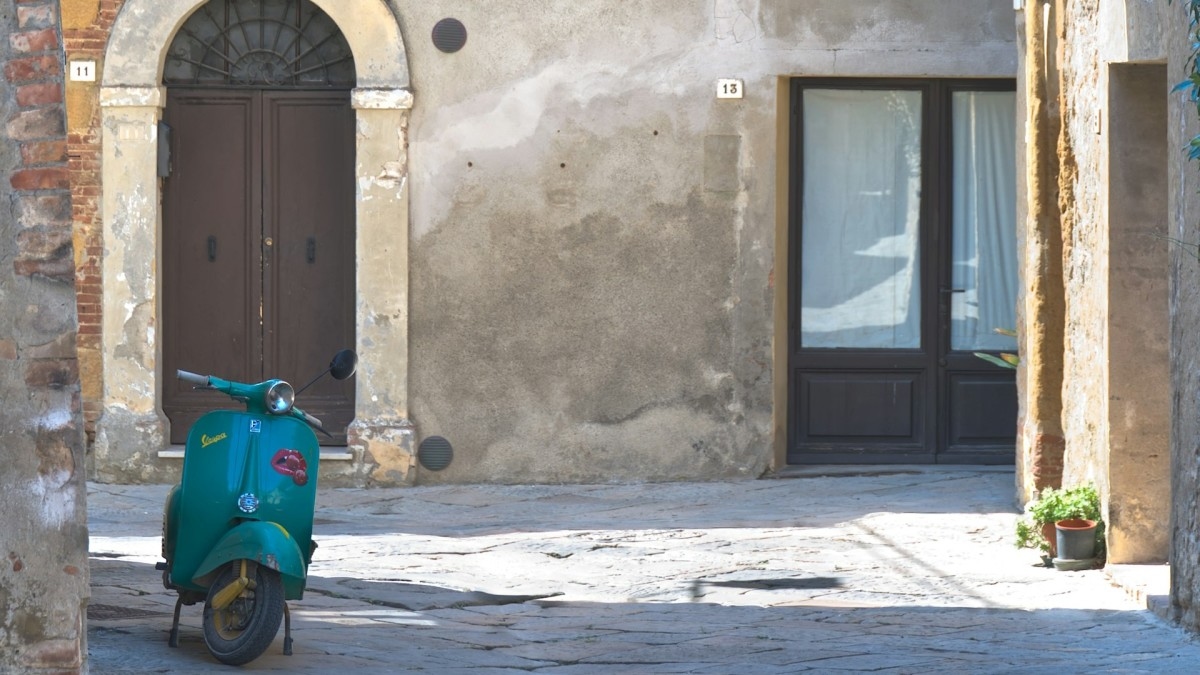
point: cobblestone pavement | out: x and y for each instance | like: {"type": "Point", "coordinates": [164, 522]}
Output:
{"type": "Point", "coordinates": [896, 570]}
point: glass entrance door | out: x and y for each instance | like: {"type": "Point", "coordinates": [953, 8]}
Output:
{"type": "Point", "coordinates": [860, 268]}
{"type": "Point", "coordinates": [904, 262]}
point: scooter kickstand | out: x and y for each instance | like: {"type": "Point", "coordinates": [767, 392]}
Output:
{"type": "Point", "coordinates": [173, 641]}
{"type": "Point", "coordinates": [287, 630]}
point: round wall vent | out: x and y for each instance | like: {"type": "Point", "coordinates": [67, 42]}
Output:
{"type": "Point", "coordinates": [435, 453]}
{"type": "Point", "coordinates": [449, 35]}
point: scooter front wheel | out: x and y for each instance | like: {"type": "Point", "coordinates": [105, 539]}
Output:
{"type": "Point", "coordinates": [242, 630]}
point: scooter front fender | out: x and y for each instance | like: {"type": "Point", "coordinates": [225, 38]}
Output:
{"type": "Point", "coordinates": [267, 544]}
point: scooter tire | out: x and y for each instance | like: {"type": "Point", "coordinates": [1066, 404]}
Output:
{"type": "Point", "coordinates": [242, 631]}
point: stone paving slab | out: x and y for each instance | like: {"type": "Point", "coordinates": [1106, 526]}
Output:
{"type": "Point", "coordinates": [889, 570]}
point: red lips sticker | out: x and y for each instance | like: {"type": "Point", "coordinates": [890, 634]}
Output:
{"type": "Point", "coordinates": [291, 463]}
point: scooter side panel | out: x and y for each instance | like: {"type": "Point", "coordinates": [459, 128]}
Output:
{"type": "Point", "coordinates": [288, 477]}
{"type": "Point", "coordinates": [170, 524]}
{"type": "Point", "coordinates": [230, 454]}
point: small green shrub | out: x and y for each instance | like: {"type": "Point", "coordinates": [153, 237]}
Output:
{"type": "Point", "coordinates": [1053, 505]}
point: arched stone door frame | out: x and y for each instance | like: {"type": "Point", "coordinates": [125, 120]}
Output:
{"type": "Point", "coordinates": [132, 428]}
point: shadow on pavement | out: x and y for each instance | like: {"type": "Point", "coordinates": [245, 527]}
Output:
{"type": "Point", "coordinates": [573, 637]}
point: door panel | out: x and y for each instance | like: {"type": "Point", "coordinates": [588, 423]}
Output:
{"type": "Point", "coordinates": [310, 220]}
{"type": "Point", "coordinates": [860, 370]}
{"type": "Point", "coordinates": [885, 405]}
{"type": "Point", "coordinates": [981, 403]}
{"type": "Point", "coordinates": [903, 258]}
{"type": "Point", "coordinates": [982, 410]}
{"type": "Point", "coordinates": [270, 175]}
{"type": "Point", "coordinates": [210, 251]}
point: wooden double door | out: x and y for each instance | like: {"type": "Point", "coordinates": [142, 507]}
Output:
{"type": "Point", "coordinates": [258, 246]}
{"type": "Point", "coordinates": [903, 259]}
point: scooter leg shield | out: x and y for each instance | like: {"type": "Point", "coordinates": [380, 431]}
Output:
{"type": "Point", "coordinates": [266, 543]}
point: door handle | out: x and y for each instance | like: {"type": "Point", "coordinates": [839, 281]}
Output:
{"type": "Point", "coordinates": [212, 248]}
{"type": "Point", "coordinates": [952, 290]}
{"type": "Point", "coordinates": [310, 249]}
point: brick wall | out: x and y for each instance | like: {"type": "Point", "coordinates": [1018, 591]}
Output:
{"type": "Point", "coordinates": [41, 182]}
{"type": "Point", "coordinates": [86, 25]}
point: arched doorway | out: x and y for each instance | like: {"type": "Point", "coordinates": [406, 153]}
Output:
{"type": "Point", "coordinates": [133, 431]}
{"type": "Point", "coordinates": [258, 205]}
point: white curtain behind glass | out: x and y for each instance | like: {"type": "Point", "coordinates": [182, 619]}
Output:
{"type": "Point", "coordinates": [859, 271]}
{"type": "Point", "coordinates": [984, 234]}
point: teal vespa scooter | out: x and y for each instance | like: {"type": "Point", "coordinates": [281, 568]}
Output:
{"type": "Point", "coordinates": [237, 530]}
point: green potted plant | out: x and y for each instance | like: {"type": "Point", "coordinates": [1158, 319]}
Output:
{"type": "Point", "coordinates": [1037, 529]}
{"type": "Point", "coordinates": [1004, 360]}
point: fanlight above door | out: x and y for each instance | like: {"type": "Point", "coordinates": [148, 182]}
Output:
{"type": "Point", "coordinates": [260, 43]}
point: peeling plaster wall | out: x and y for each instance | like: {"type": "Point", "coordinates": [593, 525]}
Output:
{"type": "Point", "coordinates": [587, 290]}
{"type": "Point", "coordinates": [593, 233]}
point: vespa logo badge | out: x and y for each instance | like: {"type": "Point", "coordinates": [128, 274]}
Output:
{"type": "Point", "coordinates": [248, 503]}
{"type": "Point", "coordinates": [206, 440]}
{"type": "Point", "coordinates": [255, 426]}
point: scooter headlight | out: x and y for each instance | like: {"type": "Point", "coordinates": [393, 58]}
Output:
{"type": "Point", "coordinates": [280, 398]}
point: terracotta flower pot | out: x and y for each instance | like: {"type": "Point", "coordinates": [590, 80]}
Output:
{"type": "Point", "coordinates": [1050, 534]}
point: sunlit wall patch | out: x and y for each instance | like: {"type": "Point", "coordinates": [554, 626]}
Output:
{"type": "Point", "coordinates": [248, 503]}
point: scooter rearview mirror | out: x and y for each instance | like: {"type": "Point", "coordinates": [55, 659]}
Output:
{"type": "Point", "coordinates": [344, 364]}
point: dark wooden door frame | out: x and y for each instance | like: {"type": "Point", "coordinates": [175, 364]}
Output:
{"type": "Point", "coordinates": [929, 416]}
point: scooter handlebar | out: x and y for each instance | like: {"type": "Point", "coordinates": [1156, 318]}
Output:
{"type": "Point", "coordinates": [312, 421]}
{"type": "Point", "coordinates": [199, 380]}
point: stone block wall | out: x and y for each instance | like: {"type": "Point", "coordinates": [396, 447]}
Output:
{"type": "Point", "coordinates": [1113, 159]}
{"type": "Point", "coordinates": [43, 532]}
{"type": "Point", "coordinates": [1085, 244]}
{"type": "Point", "coordinates": [1098, 163]}
{"type": "Point", "coordinates": [1185, 357]}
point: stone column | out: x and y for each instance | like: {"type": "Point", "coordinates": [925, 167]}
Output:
{"type": "Point", "coordinates": [381, 436]}
{"type": "Point", "coordinates": [1042, 309]}
{"type": "Point", "coordinates": [43, 531]}
{"type": "Point", "coordinates": [132, 428]}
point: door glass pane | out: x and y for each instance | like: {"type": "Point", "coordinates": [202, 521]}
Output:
{"type": "Point", "coordinates": [984, 274]}
{"type": "Point", "coordinates": [859, 269]}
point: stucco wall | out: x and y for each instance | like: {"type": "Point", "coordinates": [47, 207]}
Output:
{"type": "Point", "coordinates": [595, 241]}
{"type": "Point", "coordinates": [1137, 325]}
{"type": "Point", "coordinates": [594, 234]}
